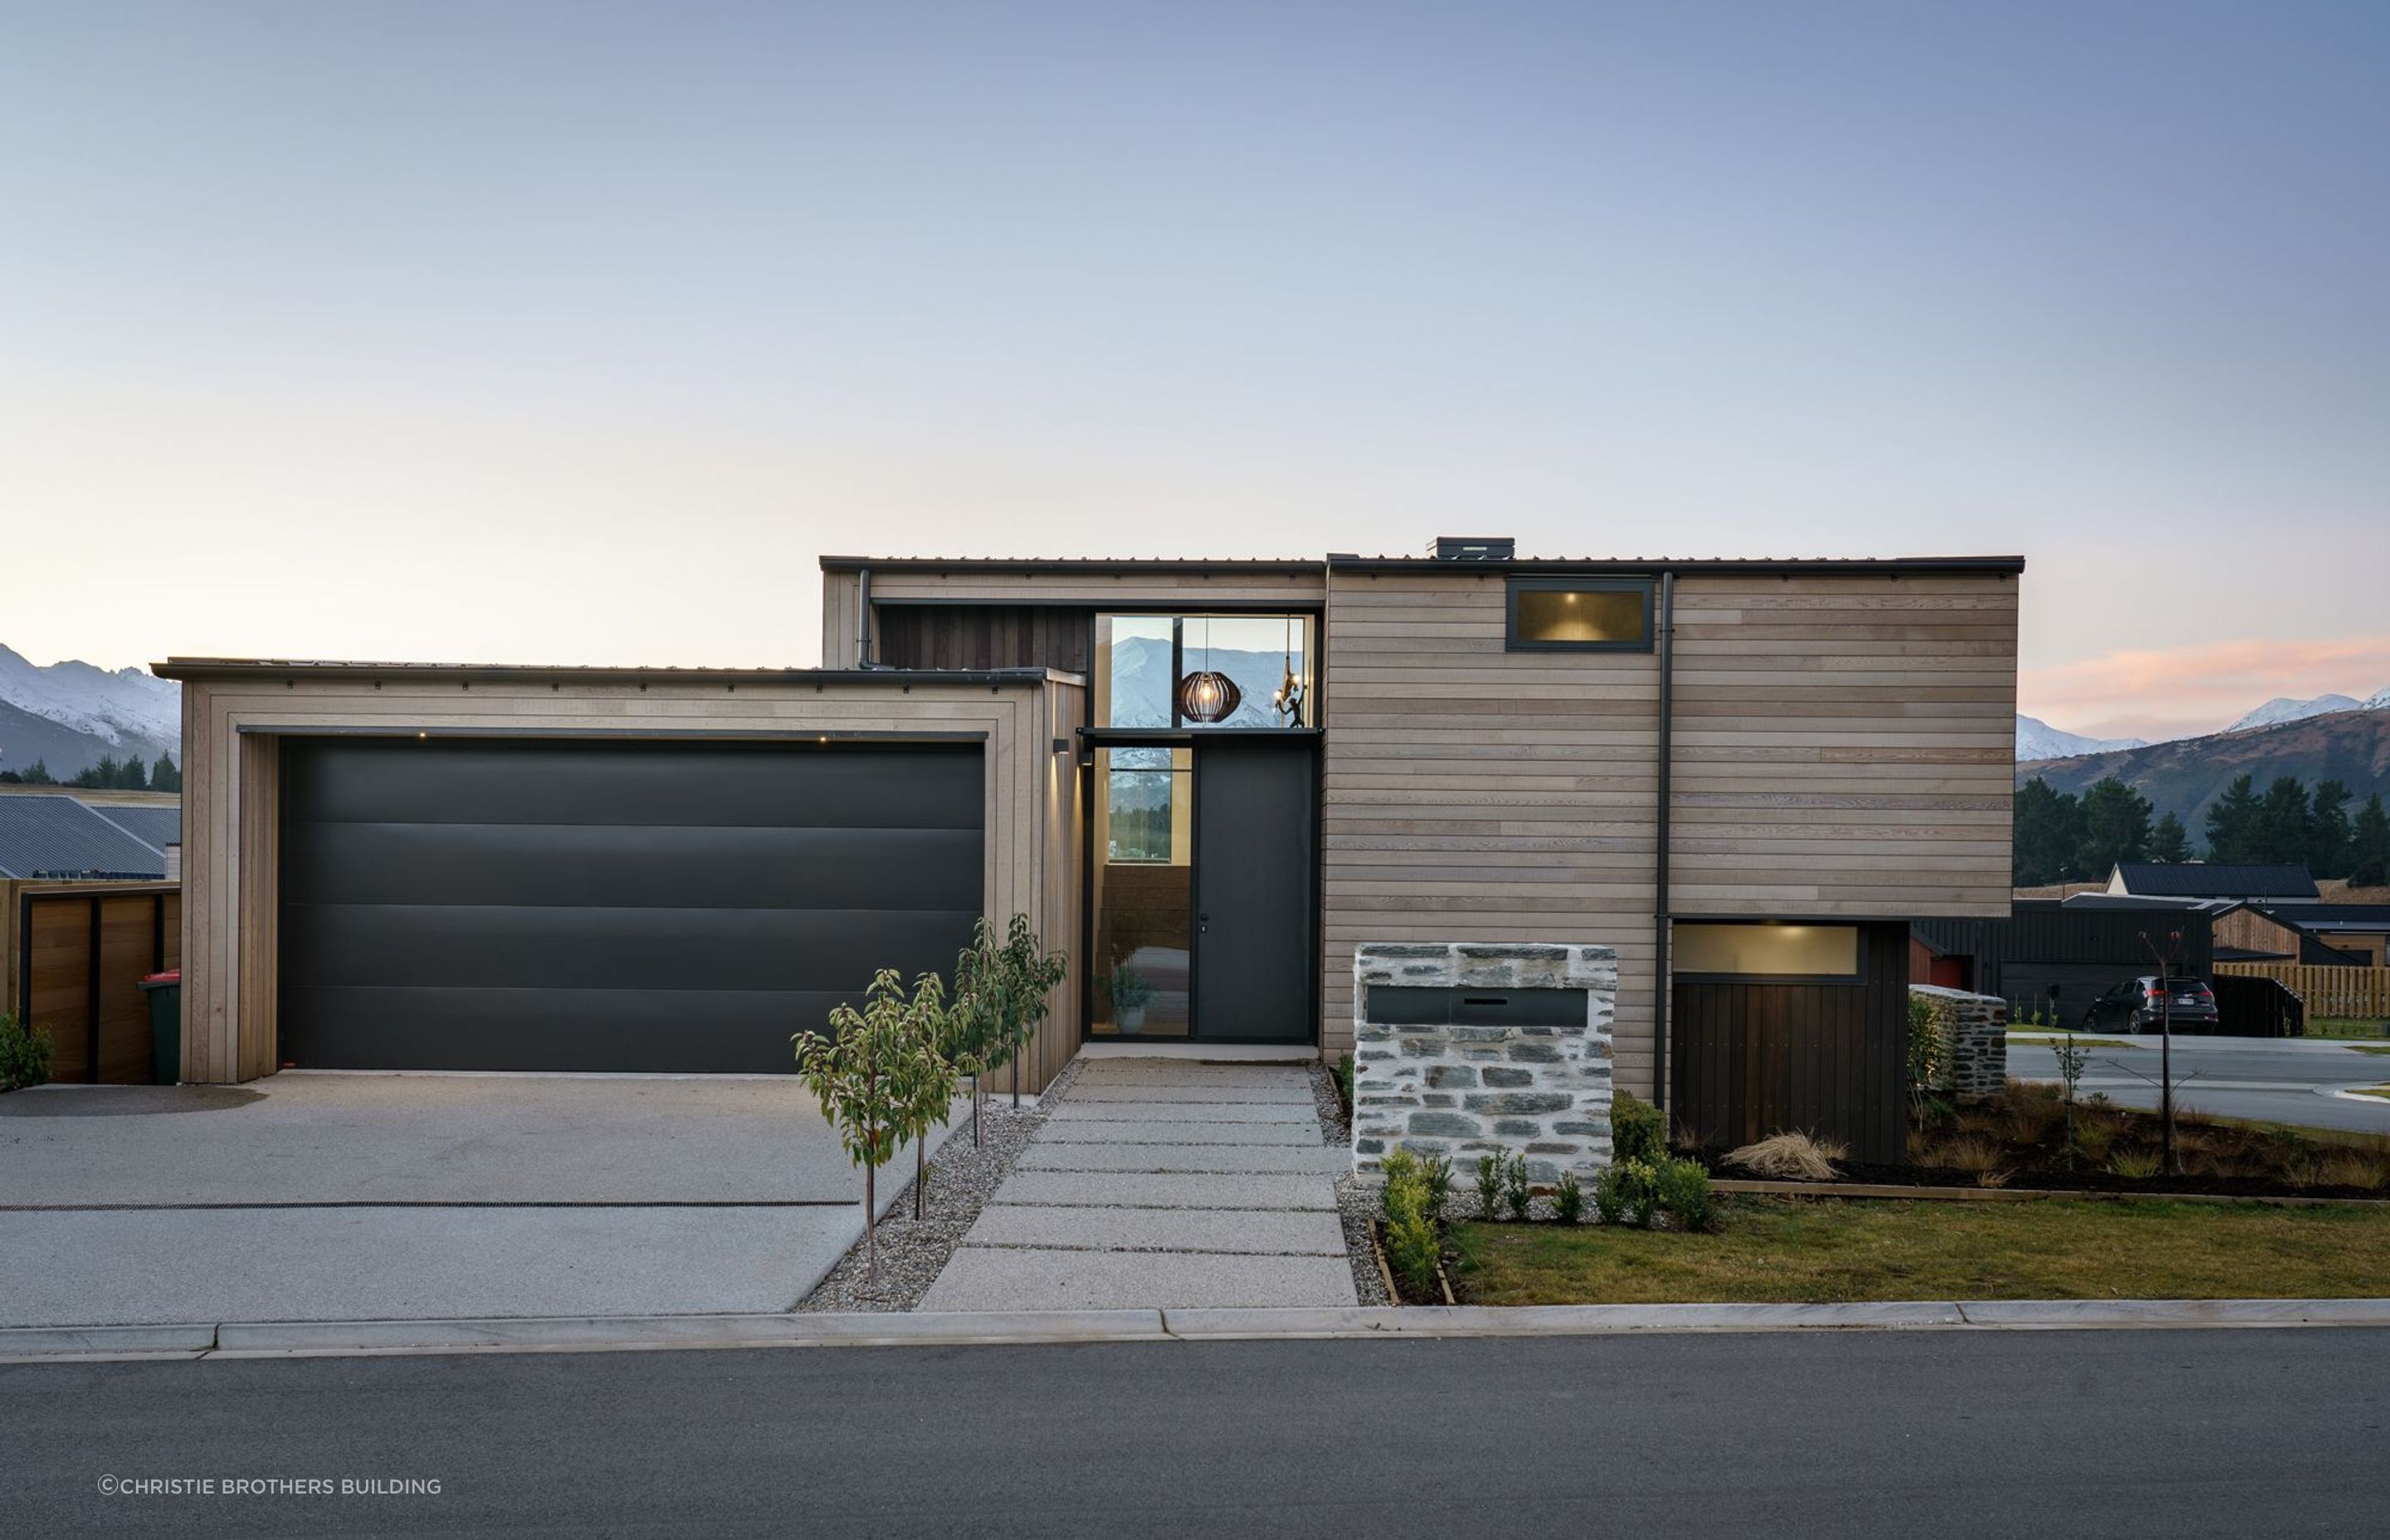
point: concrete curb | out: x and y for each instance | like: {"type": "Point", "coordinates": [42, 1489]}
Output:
{"type": "Point", "coordinates": [627, 1333]}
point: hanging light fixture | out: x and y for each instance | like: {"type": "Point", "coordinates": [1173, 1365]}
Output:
{"type": "Point", "coordinates": [1288, 701]}
{"type": "Point", "coordinates": [1207, 695]}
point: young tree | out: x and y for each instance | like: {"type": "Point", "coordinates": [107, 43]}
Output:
{"type": "Point", "coordinates": [975, 1027]}
{"type": "Point", "coordinates": [868, 1076]}
{"type": "Point", "coordinates": [2232, 822]}
{"type": "Point", "coordinates": [2049, 834]}
{"type": "Point", "coordinates": [2328, 830]}
{"type": "Point", "coordinates": [2115, 825]}
{"type": "Point", "coordinates": [932, 1019]}
{"type": "Point", "coordinates": [2169, 841]}
{"type": "Point", "coordinates": [165, 776]}
{"type": "Point", "coordinates": [1031, 974]}
{"type": "Point", "coordinates": [2369, 845]}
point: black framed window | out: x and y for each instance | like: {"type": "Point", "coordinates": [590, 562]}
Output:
{"type": "Point", "coordinates": [1579, 615]}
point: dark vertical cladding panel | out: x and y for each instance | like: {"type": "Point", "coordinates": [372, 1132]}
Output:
{"type": "Point", "coordinates": [1751, 1058]}
{"type": "Point", "coordinates": [623, 905]}
{"type": "Point", "coordinates": [982, 637]}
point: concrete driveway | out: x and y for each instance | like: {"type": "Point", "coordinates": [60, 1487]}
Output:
{"type": "Point", "coordinates": [2288, 1080]}
{"type": "Point", "coordinates": [335, 1197]}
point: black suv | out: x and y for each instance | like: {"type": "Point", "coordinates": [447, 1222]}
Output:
{"type": "Point", "coordinates": [2136, 1003]}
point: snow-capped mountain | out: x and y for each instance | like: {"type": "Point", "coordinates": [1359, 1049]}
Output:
{"type": "Point", "coordinates": [2038, 739]}
{"type": "Point", "coordinates": [2284, 709]}
{"type": "Point", "coordinates": [128, 704]}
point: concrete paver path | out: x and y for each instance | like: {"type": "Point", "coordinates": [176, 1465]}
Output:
{"type": "Point", "coordinates": [1163, 1184]}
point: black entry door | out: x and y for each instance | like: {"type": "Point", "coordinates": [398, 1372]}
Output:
{"type": "Point", "coordinates": [1256, 843]}
{"type": "Point", "coordinates": [625, 906]}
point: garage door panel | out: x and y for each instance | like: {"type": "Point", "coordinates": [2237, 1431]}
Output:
{"type": "Point", "coordinates": [575, 865]}
{"type": "Point", "coordinates": [460, 781]}
{"type": "Point", "coordinates": [616, 1031]}
{"type": "Point", "coordinates": [610, 906]}
{"type": "Point", "coordinates": [538, 948]}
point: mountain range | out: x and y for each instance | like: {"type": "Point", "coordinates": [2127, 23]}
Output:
{"type": "Point", "coordinates": [2037, 739]}
{"type": "Point", "coordinates": [2184, 776]}
{"type": "Point", "coordinates": [67, 715]}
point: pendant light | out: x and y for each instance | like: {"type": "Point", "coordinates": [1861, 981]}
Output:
{"type": "Point", "coordinates": [1206, 695]}
{"type": "Point", "coordinates": [1288, 701]}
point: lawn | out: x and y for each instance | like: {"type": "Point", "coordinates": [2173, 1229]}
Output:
{"type": "Point", "coordinates": [2371, 1048]}
{"type": "Point", "coordinates": [2042, 1037]}
{"type": "Point", "coordinates": [2347, 1026]}
{"type": "Point", "coordinates": [1816, 1249]}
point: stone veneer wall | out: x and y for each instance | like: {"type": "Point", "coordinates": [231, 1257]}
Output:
{"type": "Point", "coordinates": [1975, 1031]}
{"type": "Point", "coordinates": [1461, 1090]}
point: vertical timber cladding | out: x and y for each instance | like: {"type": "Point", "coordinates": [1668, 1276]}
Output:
{"type": "Point", "coordinates": [640, 906]}
{"type": "Point", "coordinates": [1751, 1057]}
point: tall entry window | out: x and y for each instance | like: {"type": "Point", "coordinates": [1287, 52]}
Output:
{"type": "Point", "coordinates": [1144, 892]}
{"type": "Point", "coordinates": [1172, 671]}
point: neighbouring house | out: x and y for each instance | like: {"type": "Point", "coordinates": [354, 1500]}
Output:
{"type": "Point", "coordinates": [2249, 881]}
{"type": "Point", "coordinates": [2309, 935]}
{"type": "Point", "coordinates": [1208, 781]}
{"type": "Point", "coordinates": [49, 834]}
{"type": "Point", "coordinates": [2053, 959]}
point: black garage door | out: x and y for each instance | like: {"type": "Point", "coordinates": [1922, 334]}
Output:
{"type": "Point", "coordinates": [480, 905]}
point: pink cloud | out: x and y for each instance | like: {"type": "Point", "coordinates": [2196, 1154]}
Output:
{"type": "Point", "coordinates": [2171, 692]}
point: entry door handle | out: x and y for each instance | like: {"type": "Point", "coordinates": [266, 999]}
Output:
{"type": "Point", "coordinates": [1203, 922]}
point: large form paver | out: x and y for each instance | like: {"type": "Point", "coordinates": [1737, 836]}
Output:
{"type": "Point", "coordinates": [1293, 1159]}
{"type": "Point", "coordinates": [1161, 1184]}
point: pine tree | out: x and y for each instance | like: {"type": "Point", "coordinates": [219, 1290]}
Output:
{"type": "Point", "coordinates": [2282, 822]}
{"type": "Point", "coordinates": [2116, 827]}
{"type": "Point", "coordinates": [130, 777]}
{"type": "Point", "coordinates": [2169, 841]}
{"type": "Point", "coordinates": [165, 776]}
{"type": "Point", "coordinates": [2328, 832]}
{"type": "Point", "coordinates": [2232, 822]}
{"type": "Point", "coordinates": [2369, 846]}
{"type": "Point", "coordinates": [38, 774]}
{"type": "Point", "coordinates": [2048, 835]}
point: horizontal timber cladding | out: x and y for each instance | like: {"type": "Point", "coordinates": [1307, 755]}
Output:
{"type": "Point", "coordinates": [1841, 747]}
{"type": "Point", "coordinates": [236, 718]}
{"type": "Point", "coordinates": [1751, 1057]}
{"type": "Point", "coordinates": [1844, 745]}
{"type": "Point", "coordinates": [594, 905]}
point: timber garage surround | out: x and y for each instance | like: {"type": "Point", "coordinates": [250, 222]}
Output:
{"type": "Point", "coordinates": [1209, 783]}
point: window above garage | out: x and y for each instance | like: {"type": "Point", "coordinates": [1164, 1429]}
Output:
{"type": "Point", "coordinates": [1579, 615]}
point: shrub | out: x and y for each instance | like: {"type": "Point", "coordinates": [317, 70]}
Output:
{"type": "Point", "coordinates": [1627, 1193]}
{"type": "Point", "coordinates": [1411, 1251]}
{"type": "Point", "coordinates": [1925, 1067]}
{"type": "Point", "coordinates": [1435, 1177]}
{"type": "Point", "coordinates": [2354, 1168]}
{"type": "Point", "coordinates": [1515, 1191]}
{"type": "Point", "coordinates": [1966, 1153]}
{"type": "Point", "coordinates": [1682, 1187]}
{"type": "Point", "coordinates": [1568, 1199]}
{"type": "Point", "coordinates": [1790, 1156]}
{"type": "Point", "coordinates": [1401, 1169]}
{"type": "Point", "coordinates": [1489, 1187]}
{"type": "Point", "coordinates": [1637, 1130]}
{"type": "Point", "coordinates": [1344, 1082]}
{"type": "Point", "coordinates": [25, 1054]}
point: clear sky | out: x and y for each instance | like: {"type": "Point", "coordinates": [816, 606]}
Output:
{"type": "Point", "coordinates": [572, 332]}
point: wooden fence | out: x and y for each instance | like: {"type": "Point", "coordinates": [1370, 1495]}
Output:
{"type": "Point", "coordinates": [2327, 991]}
{"type": "Point", "coordinates": [74, 961]}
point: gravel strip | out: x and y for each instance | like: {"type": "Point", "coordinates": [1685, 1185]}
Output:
{"type": "Point", "coordinates": [961, 1181]}
{"type": "Point", "coordinates": [1333, 1128]}
{"type": "Point", "coordinates": [1356, 1204]}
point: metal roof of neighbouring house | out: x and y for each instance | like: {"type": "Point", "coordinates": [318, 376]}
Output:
{"type": "Point", "coordinates": [154, 827]}
{"type": "Point", "coordinates": [60, 837]}
{"type": "Point", "coordinates": [2216, 879]}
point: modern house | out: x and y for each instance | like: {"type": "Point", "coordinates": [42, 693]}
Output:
{"type": "Point", "coordinates": [1208, 781]}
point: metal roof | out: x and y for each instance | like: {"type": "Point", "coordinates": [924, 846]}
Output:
{"type": "Point", "coordinates": [2216, 879]}
{"type": "Point", "coordinates": [153, 826]}
{"type": "Point", "coordinates": [58, 836]}
{"type": "Point", "coordinates": [1343, 561]}
{"type": "Point", "coordinates": [574, 674]}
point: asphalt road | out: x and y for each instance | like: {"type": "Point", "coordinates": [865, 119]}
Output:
{"type": "Point", "coordinates": [2172, 1433]}
{"type": "Point", "coordinates": [2276, 1079]}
